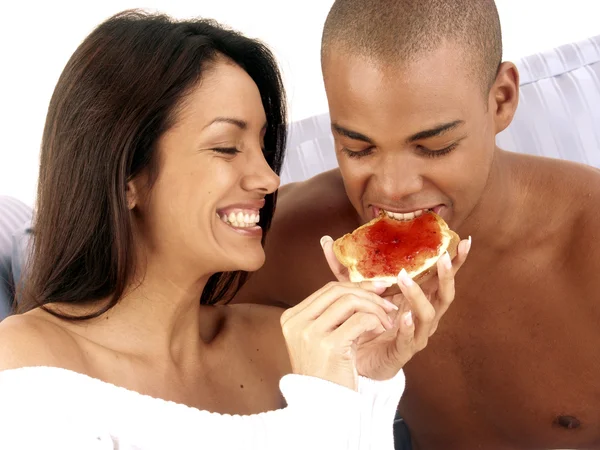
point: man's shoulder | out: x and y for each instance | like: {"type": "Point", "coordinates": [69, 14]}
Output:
{"type": "Point", "coordinates": [557, 172]}
{"type": "Point", "coordinates": [575, 185]}
{"type": "Point", "coordinates": [308, 210]}
{"type": "Point", "coordinates": [31, 340]}
{"type": "Point", "coordinates": [321, 197]}
{"type": "Point", "coordinates": [560, 183]}
{"type": "Point", "coordinates": [572, 198]}
{"type": "Point", "coordinates": [584, 201]}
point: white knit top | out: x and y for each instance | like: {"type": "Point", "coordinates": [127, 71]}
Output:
{"type": "Point", "coordinates": [53, 408]}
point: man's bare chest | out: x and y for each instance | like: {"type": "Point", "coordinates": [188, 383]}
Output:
{"type": "Point", "coordinates": [515, 360]}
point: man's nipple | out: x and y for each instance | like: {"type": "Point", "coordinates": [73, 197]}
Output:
{"type": "Point", "coordinates": [569, 422]}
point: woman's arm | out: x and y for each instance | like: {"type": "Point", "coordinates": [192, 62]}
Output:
{"type": "Point", "coordinates": [53, 408]}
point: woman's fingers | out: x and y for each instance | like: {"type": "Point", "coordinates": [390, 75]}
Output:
{"type": "Point", "coordinates": [345, 307]}
{"type": "Point", "coordinates": [337, 268]}
{"type": "Point", "coordinates": [352, 329]}
{"type": "Point", "coordinates": [423, 313]}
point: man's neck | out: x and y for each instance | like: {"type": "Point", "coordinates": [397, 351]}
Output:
{"type": "Point", "coordinates": [497, 218]}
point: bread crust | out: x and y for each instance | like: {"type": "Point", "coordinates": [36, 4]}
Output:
{"type": "Point", "coordinates": [425, 269]}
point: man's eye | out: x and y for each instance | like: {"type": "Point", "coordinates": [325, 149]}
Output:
{"type": "Point", "coordinates": [437, 153]}
{"type": "Point", "coordinates": [357, 154]}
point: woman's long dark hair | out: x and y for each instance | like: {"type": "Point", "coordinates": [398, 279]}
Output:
{"type": "Point", "coordinates": [116, 96]}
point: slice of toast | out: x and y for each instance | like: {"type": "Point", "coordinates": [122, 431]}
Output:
{"type": "Point", "coordinates": [378, 250]}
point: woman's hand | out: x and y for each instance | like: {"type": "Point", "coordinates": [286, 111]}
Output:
{"type": "Point", "coordinates": [322, 332]}
{"type": "Point", "coordinates": [420, 310]}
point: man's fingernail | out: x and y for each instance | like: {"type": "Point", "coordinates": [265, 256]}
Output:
{"type": "Point", "coordinates": [447, 260]}
{"type": "Point", "coordinates": [324, 240]}
{"type": "Point", "coordinates": [405, 279]}
{"type": "Point", "coordinates": [408, 319]}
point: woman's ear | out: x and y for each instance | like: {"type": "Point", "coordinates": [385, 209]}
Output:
{"type": "Point", "coordinates": [132, 194]}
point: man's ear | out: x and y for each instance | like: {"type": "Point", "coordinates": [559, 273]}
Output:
{"type": "Point", "coordinates": [504, 96]}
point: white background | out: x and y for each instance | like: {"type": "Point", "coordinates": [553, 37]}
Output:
{"type": "Point", "coordinates": [37, 39]}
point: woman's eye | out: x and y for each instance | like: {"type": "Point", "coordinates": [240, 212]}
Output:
{"type": "Point", "coordinates": [226, 150]}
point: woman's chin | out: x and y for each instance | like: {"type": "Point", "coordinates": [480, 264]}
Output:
{"type": "Point", "coordinates": [248, 262]}
{"type": "Point", "coordinates": [254, 265]}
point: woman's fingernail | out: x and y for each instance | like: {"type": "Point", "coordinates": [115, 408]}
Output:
{"type": "Point", "coordinates": [447, 260]}
{"type": "Point", "coordinates": [405, 279]}
{"type": "Point", "coordinates": [408, 319]}
{"type": "Point", "coordinates": [390, 322]}
{"type": "Point", "coordinates": [381, 284]}
{"type": "Point", "coordinates": [390, 304]}
{"type": "Point", "coordinates": [469, 244]}
{"type": "Point", "coordinates": [324, 240]}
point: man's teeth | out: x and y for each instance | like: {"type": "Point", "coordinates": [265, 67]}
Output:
{"type": "Point", "coordinates": [240, 219]}
{"type": "Point", "coordinates": [405, 216]}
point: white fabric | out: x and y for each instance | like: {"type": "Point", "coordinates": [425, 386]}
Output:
{"type": "Point", "coordinates": [53, 408]}
{"type": "Point", "coordinates": [559, 106]}
{"type": "Point", "coordinates": [558, 114]}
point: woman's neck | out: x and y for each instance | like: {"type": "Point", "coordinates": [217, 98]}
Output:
{"type": "Point", "coordinates": [159, 317]}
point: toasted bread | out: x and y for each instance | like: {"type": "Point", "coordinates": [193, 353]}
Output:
{"type": "Point", "coordinates": [378, 250]}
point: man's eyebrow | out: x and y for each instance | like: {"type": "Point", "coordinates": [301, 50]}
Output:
{"type": "Point", "coordinates": [425, 134]}
{"type": "Point", "coordinates": [351, 134]}
{"type": "Point", "coordinates": [436, 131]}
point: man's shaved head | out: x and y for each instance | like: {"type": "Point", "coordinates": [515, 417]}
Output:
{"type": "Point", "coordinates": [395, 32]}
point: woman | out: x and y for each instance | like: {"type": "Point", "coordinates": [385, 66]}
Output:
{"type": "Point", "coordinates": [157, 184]}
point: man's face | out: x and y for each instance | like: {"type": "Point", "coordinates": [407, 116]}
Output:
{"type": "Point", "coordinates": [410, 138]}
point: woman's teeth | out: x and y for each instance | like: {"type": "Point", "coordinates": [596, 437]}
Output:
{"type": "Point", "coordinates": [240, 219]}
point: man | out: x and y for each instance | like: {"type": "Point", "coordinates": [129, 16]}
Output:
{"type": "Point", "coordinates": [417, 93]}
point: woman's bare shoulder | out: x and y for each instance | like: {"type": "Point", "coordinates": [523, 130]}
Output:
{"type": "Point", "coordinates": [31, 339]}
{"type": "Point", "coordinates": [259, 328]}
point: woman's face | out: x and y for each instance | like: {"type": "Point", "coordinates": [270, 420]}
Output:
{"type": "Point", "coordinates": [203, 209]}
